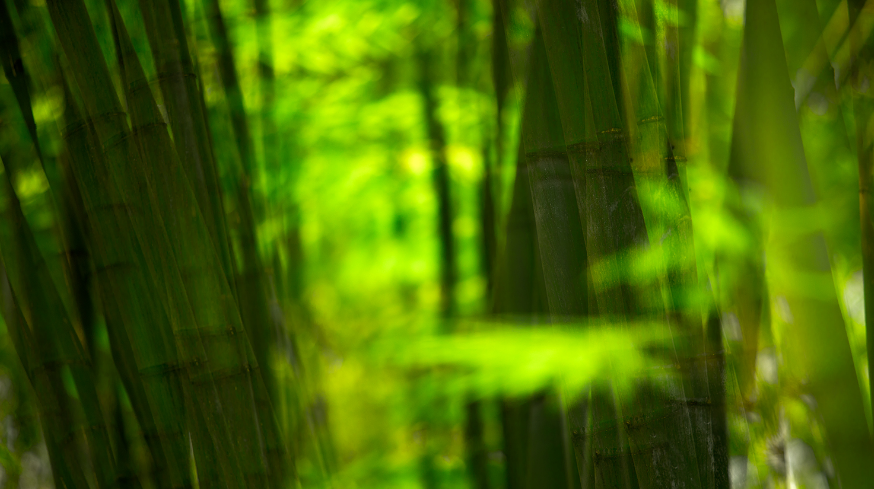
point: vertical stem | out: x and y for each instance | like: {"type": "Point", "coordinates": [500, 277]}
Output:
{"type": "Point", "coordinates": [440, 176]}
{"type": "Point", "coordinates": [863, 109]}
{"type": "Point", "coordinates": [768, 148]}
{"type": "Point", "coordinates": [179, 85]}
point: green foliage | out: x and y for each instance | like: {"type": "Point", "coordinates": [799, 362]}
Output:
{"type": "Point", "coordinates": [314, 253]}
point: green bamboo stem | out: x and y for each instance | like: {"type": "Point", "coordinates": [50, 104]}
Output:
{"type": "Point", "coordinates": [682, 271]}
{"type": "Point", "coordinates": [16, 75]}
{"type": "Point", "coordinates": [179, 85]}
{"type": "Point", "coordinates": [659, 166]}
{"type": "Point", "coordinates": [23, 250]}
{"type": "Point", "coordinates": [104, 199]}
{"type": "Point", "coordinates": [519, 295]}
{"type": "Point", "coordinates": [440, 176]}
{"type": "Point", "coordinates": [611, 199]}
{"type": "Point", "coordinates": [48, 333]}
{"type": "Point", "coordinates": [767, 147]}
{"type": "Point", "coordinates": [273, 276]}
{"type": "Point", "coordinates": [251, 278]}
{"type": "Point", "coordinates": [426, 78]}
{"type": "Point", "coordinates": [562, 34]}
{"type": "Point", "coordinates": [516, 268]}
{"type": "Point", "coordinates": [276, 453]}
{"type": "Point", "coordinates": [514, 421]}
{"type": "Point", "coordinates": [560, 244]}
{"type": "Point", "coordinates": [130, 472]}
{"type": "Point", "coordinates": [559, 229]}
{"type": "Point", "coordinates": [65, 193]}
{"type": "Point", "coordinates": [55, 421]}
{"type": "Point", "coordinates": [717, 378]}
{"type": "Point", "coordinates": [863, 108]}
{"type": "Point", "coordinates": [203, 280]}
{"type": "Point", "coordinates": [501, 81]}
{"type": "Point", "coordinates": [70, 255]}
{"type": "Point", "coordinates": [557, 74]}
{"type": "Point", "coordinates": [272, 162]}
{"type": "Point", "coordinates": [557, 187]}
{"type": "Point", "coordinates": [133, 311]}
{"type": "Point", "coordinates": [547, 465]}
{"type": "Point", "coordinates": [475, 447]}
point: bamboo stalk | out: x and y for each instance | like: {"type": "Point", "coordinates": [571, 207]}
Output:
{"type": "Point", "coordinates": [475, 447]}
{"type": "Point", "coordinates": [60, 369]}
{"type": "Point", "coordinates": [71, 22]}
{"type": "Point", "coordinates": [203, 280]}
{"type": "Point", "coordinates": [179, 86]}
{"type": "Point", "coordinates": [559, 229]}
{"type": "Point", "coordinates": [133, 311]}
{"type": "Point", "coordinates": [767, 147]}
{"type": "Point", "coordinates": [518, 283]}
{"type": "Point", "coordinates": [253, 304]}
{"type": "Point", "coordinates": [560, 243]}
{"type": "Point", "coordinates": [251, 278]}
{"type": "Point", "coordinates": [660, 153]}
{"type": "Point", "coordinates": [253, 296]}
{"type": "Point", "coordinates": [64, 192]}
{"type": "Point", "coordinates": [520, 295]}
{"type": "Point", "coordinates": [562, 35]}
{"type": "Point", "coordinates": [63, 458]}
{"type": "Point", "coordinates": [440, 176]}
{"type": "Point", "coordinates": [501, 81]}
{"type": "Point", "coordinates": [863, 108]}
{"type": "Point", "coordinates": [611, 199]}
{"type": "Point", "coordinates": [559, 55]}
{"type": "Point", "coordinates": [16, 75]}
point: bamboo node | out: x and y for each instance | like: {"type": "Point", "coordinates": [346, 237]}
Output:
{"type": "Point", "coordinates": [160, 369]}
{"type": "Point", "coordinates": [229, 372]}
{"type": "Point", "coordinates": [531, 156]}
{"type": "Point", "coordinates": [114, 140]}
{"type": "Point", "coordinates": [54, 365]}
{"type": "Point", "coordinates": [137, 85]}
{"type": "Point", "coordinates": [647, 120]}
{"type": "Point", "coordinates": [120, 265]}
{"type": "Point", "coordinates": [680, 159]}
{"type": "Point", "coordinates": [702, 401]}
{"type": "Point", "coordinates": [628, 450]}
{"type": "Point", "coordinates": [583, 147]}
{"type": "Point", "coordinates": [74, 127]}
{"type": "Point", "coordinates": [610, 170]}
{"type": "Point", "coordinates": [106, 115]}
{"type": "Point", "coordinates": [641, 420]}
{"type": "Point", "coordinates": [163, 75]}
{"type": "Point", "coordinates": [142, 128]}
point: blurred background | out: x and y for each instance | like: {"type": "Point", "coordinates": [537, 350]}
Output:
{"type": "Point", "coordinates": [403, 214]}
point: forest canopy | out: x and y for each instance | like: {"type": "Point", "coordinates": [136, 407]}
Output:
{"type": "Point", "coordinates": [519, 244]}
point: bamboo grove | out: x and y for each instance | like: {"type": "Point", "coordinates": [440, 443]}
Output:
{"type": "Point", "coordinates": [514, 244]}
